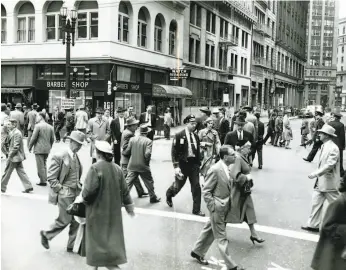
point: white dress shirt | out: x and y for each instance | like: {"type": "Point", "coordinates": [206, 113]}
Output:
{"type": "Point", "coordinates": [240, 135]}
{"type": "Point", "coordinates": [148, 118]}
{"type": "Point", "coordinates": [122, 124]}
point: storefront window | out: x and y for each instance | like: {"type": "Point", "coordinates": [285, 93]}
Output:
{"type": "Point", "coordinates": [159, 78]}
{"type": "Point", "coordinates": [126, 74]}
{"type": "Point", "coordinates": [8, 75]}
{"type": "Point", "coordinates": [58, 72]}
{"type": "Point", "coordinates": [57, 98]}
{"type": "Point", "coordinates": [125, 100]}
{"type": "Point", "coordinates": [24, 75]}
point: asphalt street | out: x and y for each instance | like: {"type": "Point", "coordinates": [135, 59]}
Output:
{"type": "Point", "coordinates": [161, 237]}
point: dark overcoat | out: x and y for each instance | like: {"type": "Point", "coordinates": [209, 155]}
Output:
{"type": "Point", "coordinates": [242, 207]}
{"type": "Point", "coordinates": [104, 192]}
{"type": "Point", "coordinates": [332, 238]}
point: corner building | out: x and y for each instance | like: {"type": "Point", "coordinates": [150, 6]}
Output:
{"type": "Point", "coordinates": [341, 61]}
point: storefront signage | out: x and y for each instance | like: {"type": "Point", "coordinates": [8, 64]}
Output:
{"type": "Point", "coordinates": [59, 84]}
{"type": "Point", "coordinates": [79, 85]}
{"type": "Point", "coordinates": [127, 86]}
{"type": "Point", "coordinates": [177, 74]}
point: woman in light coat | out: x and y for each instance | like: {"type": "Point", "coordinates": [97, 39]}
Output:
{"type": "Point", "coordinates": [287, 131]}
{"type": "Point", "coordinates": [242, 206]}
{"type": "Point", "coordinates": [210, 145]}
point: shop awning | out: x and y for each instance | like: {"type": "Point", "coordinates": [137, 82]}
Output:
{"type": "Point", "coordinates": [12, 90]}
{"type": "Point", "coordinates": [160, 90]}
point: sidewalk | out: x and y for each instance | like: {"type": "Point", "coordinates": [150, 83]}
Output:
{"type": "Point", "coordinates": [176, 129]}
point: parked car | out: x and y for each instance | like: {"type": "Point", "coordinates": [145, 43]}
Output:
{"type": "Point", "coordinates": [305, 113]}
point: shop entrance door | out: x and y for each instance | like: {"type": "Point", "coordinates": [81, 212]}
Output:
{"type": "Point", "coordinates": [98, 101]}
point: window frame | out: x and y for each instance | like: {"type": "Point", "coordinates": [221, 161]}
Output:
{"type": "Point", "coordinates": [172, 42]}
{"type": "Point", "coordinates": [3, 29]}
{"type": "Point", "coordinates": [27, 18]}
{"type": "Point", "coordinates": [140, 35]}
{"type": "Point", "coordinates": [88, 24]}
{"type": "Point", "coordinates": [57, 26]}
{"type": "Point", "coordinates": [121, 17]}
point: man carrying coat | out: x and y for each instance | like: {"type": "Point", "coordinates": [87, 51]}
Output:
{"type": "Point", "coordinates": [217, 196]}
{"type": "Point", "coordinates": [64, 176]}
{"type": "Point", "coordinates": [42, 139]}
{"type": "Point", "coordinates": [328, 177]}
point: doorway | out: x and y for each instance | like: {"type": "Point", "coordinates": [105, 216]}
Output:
{"type": "Point", "coordinates": [98, 100]}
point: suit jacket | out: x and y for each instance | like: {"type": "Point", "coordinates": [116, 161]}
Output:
{"type": "Point", "coordinates": [32, 119]}
{"type": "Point", "coordinates": [125, 139]}
{"type": "Point", "coordinates": [153, 119]}
{"type": "Point", "coordinates": [328, 172]}
{"type": "Point", "coordinates": [139, 151]}
{"type": "Point", "coordinates": [223, 129]}
{"type": "Point", "coordinates": [217, 189]}
{"type": "Point", "coordinates": [16, 148]}
{"type": "Point", "coordinates": [42, 138]}
{"type": "Point", "coordinates": [252, 119]}
{"type": "Point", "coordinates": [58, 170]}
{"type": "Point", "coordinates": [180, 148]}
{"type": "Point", "coordinates": [340, 132]}
{"type": "Point", "coordinates": [271, 125]}
{"type": "Point", "coordinates": [19, 116]}
{"type": "Point", "coordinates": [318, 125]}
{"type": "Point", "coordinates": [260, 133]}
{"type": "Point", "coordinates": [232, 138]}
{"type": "Point", "coordinates": [115, 129]}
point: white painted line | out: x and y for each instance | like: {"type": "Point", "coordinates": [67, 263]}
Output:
{"type": "Point", "coordinates": [189, 217]}
{"type": "Point", "coordinates": [206, 268]}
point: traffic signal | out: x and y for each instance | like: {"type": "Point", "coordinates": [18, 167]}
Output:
{"type": "Point", "coordinates": [75, 74]}
{"type": "Point", "coordinates": [87, 74]}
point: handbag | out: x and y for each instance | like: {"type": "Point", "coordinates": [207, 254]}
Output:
{"type": "Point", "coordinates": [76, 209]}
{"type": "Point", "coordinates": [246, 188]}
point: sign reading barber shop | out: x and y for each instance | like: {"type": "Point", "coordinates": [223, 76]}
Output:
{"type": "Point", "coordinates": [179, 73]}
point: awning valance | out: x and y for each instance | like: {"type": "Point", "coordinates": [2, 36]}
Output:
{"type": "Point", "coordinates": [12, 90]}
{"type": "Point", "coordinates": [160, 90]}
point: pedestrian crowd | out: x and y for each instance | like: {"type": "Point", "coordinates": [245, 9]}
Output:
{"type": "Point", "coordinates": [212, 146]}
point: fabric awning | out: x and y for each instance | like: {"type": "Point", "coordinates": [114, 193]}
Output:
{"type": "Point", "coordinates": [12, 90]}
{"type": "Point", "coordinates": [160, 90]}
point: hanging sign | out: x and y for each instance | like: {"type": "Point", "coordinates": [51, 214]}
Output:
{"type": "Point", "coordinates": [178, 73]}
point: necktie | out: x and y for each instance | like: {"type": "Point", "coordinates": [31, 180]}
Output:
{"type": "Point", "coordinates": [193, 146]}
{"type": "Point", "coordinates": [240, 135]}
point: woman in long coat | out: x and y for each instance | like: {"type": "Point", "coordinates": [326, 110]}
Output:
{"type": "Point", "coordinates": [242, 207]}
{"type": "Point", "coordinates": [210, 145]}
{"type": "Point", "coordinates": [330, 253]}
{"type": "Point", "coordinates": [104, 192]}
{"type": "Point", "coordinates": [287, 131]}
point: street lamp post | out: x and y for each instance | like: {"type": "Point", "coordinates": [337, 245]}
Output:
{"type": "Point", "coordinates": [68, 28]}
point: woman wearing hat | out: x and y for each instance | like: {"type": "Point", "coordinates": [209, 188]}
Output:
{"type": "Point", "coordinates": [104, 192]}
{"type": "Point", "coordinates": [242, 206]}
{"type": "Point", "coordinates": [330, 252]}
{"type": "Point", "coordinates": [210, 146]}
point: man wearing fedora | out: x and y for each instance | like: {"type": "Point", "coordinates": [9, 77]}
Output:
{"type": "Point", "coordinates": [317, 143]}
{"type": "Point", "coordinates": [200, 120]}
{"type": "Point", "coordinates": [139, 151]}
{"type": "Point", "coordinates": [149, 118]}
{"type": "Point", "coordinates": [328, 177]}
{"type": "Point", "coordinates": [186, 158]}
{"type": "Point", "coordinates": [117, 127]}
{"type": "Point", "coordinates": [69, 123]}
{"type": "Point", "coordinates": [32, 121]}
{"type": "Point", "coordinates": [98, 129]}
{"type": "Point", "coordinates": [278, 127]}
{"type": "Point", "coordinates": [58, 122]}
{"type": "Point", "coordinates": [340, 133]}
{"type": "Point", "coordinates": [42, 140]}
{"type": "Point", "coordinates": [223, 125]}
{"type": "Point", "coordinates": [251, 118]}
{"type": "Point", "coordinates": [15, 159]}
{"type": "Point", "coordinates": [18, 115]}
{"type": "Point", "coordinates": [64, 176]}
{"type": "Point", "coordinates": [131, 126]}
{"type": "Point", "coordinates": [81, 119]}
{"type": "Point", "coordinates": [239, 136]}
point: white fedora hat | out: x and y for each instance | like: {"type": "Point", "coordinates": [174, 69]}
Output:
{"type": "Point", "coordinates": [327, 129]}
{"type": "Point", "coordinates": [103, 146]}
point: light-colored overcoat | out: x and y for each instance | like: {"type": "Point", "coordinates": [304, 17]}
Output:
{"type": "Point", "coordinates": [99, 130]}
{"type": "Point", "coordinates": [16, 148]}
{"type": "Point", "coordinates": [42, 138]}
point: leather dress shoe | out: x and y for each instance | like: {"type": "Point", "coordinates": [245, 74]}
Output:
{"type": "Point", "coordinates": [41, 184]}
{"type": "Point", "coordinates": [200, 259]}
{"type": "Point", "coordinates": [169, 201]}
{"type": "Point", "coordinates": [144, 194]}
{"type": "Point", "coordinates": [238, 268]}
{"type": "Point", "coordinates": [69, 250]}
{"type": "Point", "coordinates": [44, 240]}
{"type": "Point", "coordinates": [199, 213]}
{"type": "Point", "coordinates": [260, 167]}
{"type": "Point", "coordinates": [155, 200]}
{"type": "Point", "coordinates": [28, 190]}
{"type": "Point", "coordinates": [307, 228]}
{"type": "Point", "coordinates": [306, 160]}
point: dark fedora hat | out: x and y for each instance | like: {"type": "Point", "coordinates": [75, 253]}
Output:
{"type": "Point", "coordinates": [144, 129]}
{"type": "Point", "coordinates": [190, 118]}
{"type": "Point", "coordinates": [337, 112]}
{"type": "Point", "coordinates": [205, 110]}
{"type": "Point", "coordinates": [240, 120]}
{"type": "Point", "coordinates": [19, 105]}
{"type": "Point", "coordinates": [99, 110]}
{"type": "Point", "coordinates": [35, 106]}
{"type": "Point", "coordinates": [247, 108]}
{"type": "Point", "coordinates": [131, 121]}
{"type": "Point", "coordinates": [120, 110]}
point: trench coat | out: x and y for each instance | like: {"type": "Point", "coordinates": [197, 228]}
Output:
{"type": "Point", "coordinates": [104, 192]}
{"type": "Point", "coordinates": [98, 130]}
{"type": "Point", "coordinates": [332, 240]}
{"type": "Point", "coordinates": [287, 131]}
{"type": "Point", "coordinates": [242, 206]}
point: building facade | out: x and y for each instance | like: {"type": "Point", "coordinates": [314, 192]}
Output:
{"type": "Point", "coordinates": [132, 44]}
{"type": "Point", "coordinates": [217, 50]}
{"type": "Point", "coordinates": [320, 76]}
{"type": "Point", "coordinates": [290, 55]}
{"type": "Point", "coordinates": [341, 61]}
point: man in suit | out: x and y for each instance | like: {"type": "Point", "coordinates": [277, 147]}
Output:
{"type": "Point", "coordinates": [340, 139]}
{"type": "Point", "coordinates": [64, 178]}
{"type": "Point", "coordinates": [43, 139]}
{"type": "Point", "coordinates": [139, 150]}
{"type": "Point", "coordinates": [81, 119]}
{"type": "Point", "coordinates": [18, 115]}
{"type": "Point", "coordinates": [32, 121]}
{"type": "Point", "coordinates": [278, 128]}
{"type": "Point", "coordinates": [149, 118]}
{"type": "Point", "coordinates": [15, 159]}
{"type": "Point", "coordinates": [239, 136]}
{"type": "Point", "coordinates": [259, 143]}
{"type": "Point", "coordinates": [200, 120]}
{"type": "Point", "coordinates": [317, 143]}
{"type": "Point", "coordinates": [216, 119]}
{"type": "Point", "coordinates": [328, 177]}
{"type": "Point", "coordinates": [69, 123]}
{"type": "Point", "coordinates": [58, 122]}
{"type": "Point", "coordinates": [271, 129]}
{"type": "Point", "coordinates": [217, 196]}
{"type": "Point", "coordinates": [130, 113]}
{"type": "Point", "coordinates": [129, 132]}
{"type": "Point", "coordinates": [186, 162]}
{"type": "Point", "coordinates": [223, 126]}
{"type": "Point", "coordinates": [251, 118]}
{"type": "Point", "coordinates": [117, 127]}
{"type": "Point", "coordinates": [4, 132]}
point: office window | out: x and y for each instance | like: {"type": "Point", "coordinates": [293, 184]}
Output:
{"type": "Point", "coordinates": [53, 21]}
{"type": "Point", "coordinates": [342, 59]}
{"type": "Point", "coordinates": [26, 23]}
{"type": "Point", "coordinates": [3, 25]}
{"type": "Point", "coordinates": [142, 29]}
{"type": "Point", "coordinates": [158, 34]}
{"type": "Point", "coordinates": [123, 23]}
{"type": "Point", "coordinates": [87, 23]}
{"type": "Point", "coordinates": [194, 51]}
{"type": "Point", "coordinates": [172, 38]}
{"type": "Point", "coordinates": [244, 39]}
{"type": "Point", "coordinates": [195, 14]}
{"type": "Point", "coordinates": [210, 22]}
{"type": "Point", "coordinates": [223, 28]}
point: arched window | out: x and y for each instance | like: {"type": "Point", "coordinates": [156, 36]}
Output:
{"type": "Point", "coordinates": [158, 34]}
{"type": "Point", "coordinates": [3, 24]}
{"type": "Point", "coordinates": [26, 23]}
{"type": "Point", "coordinates": [53, 22]}
{"type": "Point", "coordinates": [88, 20]}
{"type": "Point", "coordinates": [142, 29]}
{"type": "Point", "coordinates": [123, 22]}
{"type": "Point", "coordinates": [173, 38]}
